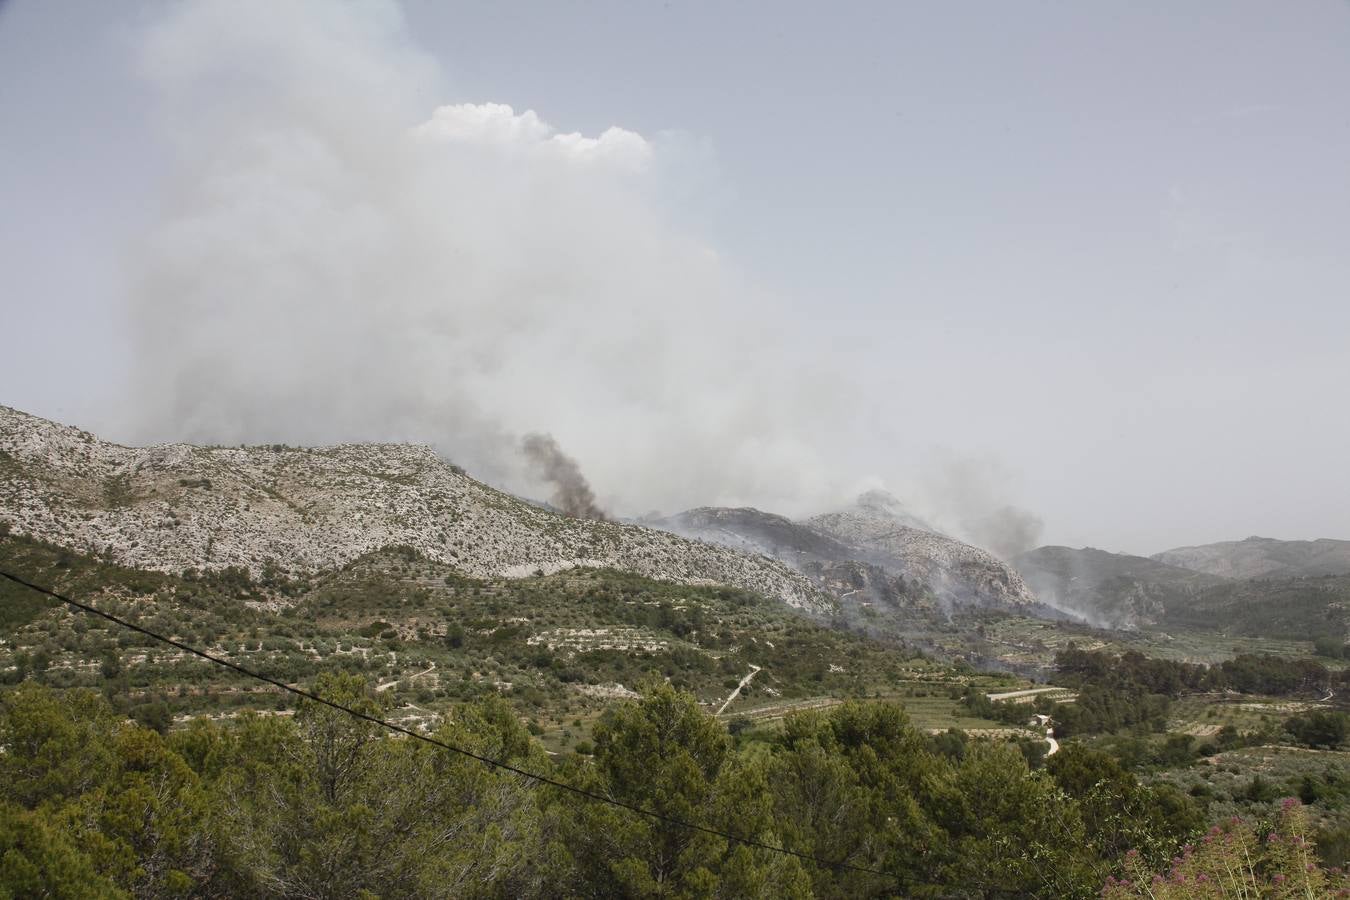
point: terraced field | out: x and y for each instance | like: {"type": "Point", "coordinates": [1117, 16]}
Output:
{"type": "Point", "coordinates": [1203, 715]}
{"type": "Point", "coordinates": [1030, 645]}
{"type": "Point", "coordinates": [559, 647]}
{"type": "Point", "coordinates": [933, 704]}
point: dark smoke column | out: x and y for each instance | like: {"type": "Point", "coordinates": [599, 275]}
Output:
{"type": "Point", "coordinates": [571, 492]}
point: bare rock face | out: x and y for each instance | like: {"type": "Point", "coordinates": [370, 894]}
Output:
{"type": "Point", "coordinates": [879, 532]}
{"type": "Point", "coordinates": [174, 507]}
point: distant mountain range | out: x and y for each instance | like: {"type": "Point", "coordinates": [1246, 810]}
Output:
{"type": "Point", "coordinates": [1306, 598]}
{"type": "Point", "coordinates": [1259, 557]}
{"type": "Point", "coordinates": [1115, 590]}
{"type": "Point", "coordinates": [305, 510]}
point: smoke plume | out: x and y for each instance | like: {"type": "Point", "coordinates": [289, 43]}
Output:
{"type": "Point", "coordinates": [1005, 531]}
{"type": "Point", "coordinates": [352, 252]}
{"type": "Point", "coordinates": [571, 492]}
{"type": "Point", "coordinates": [968, 497]}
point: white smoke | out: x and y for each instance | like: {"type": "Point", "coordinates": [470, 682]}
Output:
{"type": "Point", "coordinates": [968, 497]}
{"type": "Point", "coordinates": [348, 256]}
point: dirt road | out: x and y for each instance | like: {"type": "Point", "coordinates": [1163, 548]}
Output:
{"type": "Point", "coordinates": [736, 693]}
{"type": "Point", "coordinates": [1027, 693]}
{"type": "Point", "coordinates": [380, 688]}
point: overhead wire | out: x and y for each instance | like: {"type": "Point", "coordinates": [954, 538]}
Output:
{"type": "Point", "coordinates": [444, 745]}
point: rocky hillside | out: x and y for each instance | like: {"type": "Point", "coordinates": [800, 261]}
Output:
{"type": "Point", "coordinates": [1258, 557]}
{"type": "Point", "coordinates": [1115, 590]}
{"type": "Point", "coordinates": [879, 532]}
{"type": "Point", "coordinates": [754, 531]}
{"type": "Point", "coordinates": [871, 554]}
{"type": "Point", "coordinates": [832, 566]}
{"type": "Point", "coordinates": [175, 507]}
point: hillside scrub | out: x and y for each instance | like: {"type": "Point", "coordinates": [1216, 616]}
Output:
{"type": "Point", "coordinates": [541, 642]}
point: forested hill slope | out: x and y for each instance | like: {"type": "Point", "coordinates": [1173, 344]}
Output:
{"type": "Point", "coordinates": [1112, 589]}
{"type": "Point", "coordinates": [1259, 557]}
{"type": "Point", "coordinates": [174, 507]}
{"type": "Point", "coordinates": [1303, 609]}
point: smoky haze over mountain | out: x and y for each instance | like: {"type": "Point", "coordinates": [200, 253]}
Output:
{"type": "Point", "coordinates": [1006, 531]}
{"type": "Point", "coordinates": [347, 257]}
{"type": "Point", "coordinates": [967, 497]}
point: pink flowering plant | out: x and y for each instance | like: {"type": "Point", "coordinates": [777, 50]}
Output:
{"type": "Point", "coordinates": [1240, 860]}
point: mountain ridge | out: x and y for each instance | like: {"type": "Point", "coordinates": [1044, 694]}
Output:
{"type": "Point", "coordinates": [1262, 557]}
{"type": "Point", "coordinates": [874, 551]}
{"type": "Point", "coordinates": [171, 507]}
{"type": "Point", "coordinates": [1118, 590]}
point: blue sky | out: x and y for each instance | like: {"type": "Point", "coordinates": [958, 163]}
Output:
{"type": "Point", "coordinates": [1086, 259]}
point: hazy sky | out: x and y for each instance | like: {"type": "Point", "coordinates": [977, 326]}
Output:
{"type": "Point", "coordinates": [1090, 259]}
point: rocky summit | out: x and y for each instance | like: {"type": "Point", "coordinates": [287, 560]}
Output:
{"type": "Point", "coordinates": [874, 552]}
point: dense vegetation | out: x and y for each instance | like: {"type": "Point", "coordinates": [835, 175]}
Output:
{"type": "Point", "coordinates": [322, 805]}
{"type": "Point", "coordinates": [128, 768]}
{"type": "Point", "coordinates": [1246, 673]}
{"type": "Point", "coordinates": [1115, 692]}
{"type": "Point", "coordinates": [1296, 608]}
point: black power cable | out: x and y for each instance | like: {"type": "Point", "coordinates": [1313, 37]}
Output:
{"type": "Point", "coordinates": [392, 726]}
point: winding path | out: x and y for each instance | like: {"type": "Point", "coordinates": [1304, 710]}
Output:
{"type": "Point", "coordinates": [380, 688]}
{"type": "Point", "coordinates": [736, 693]}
